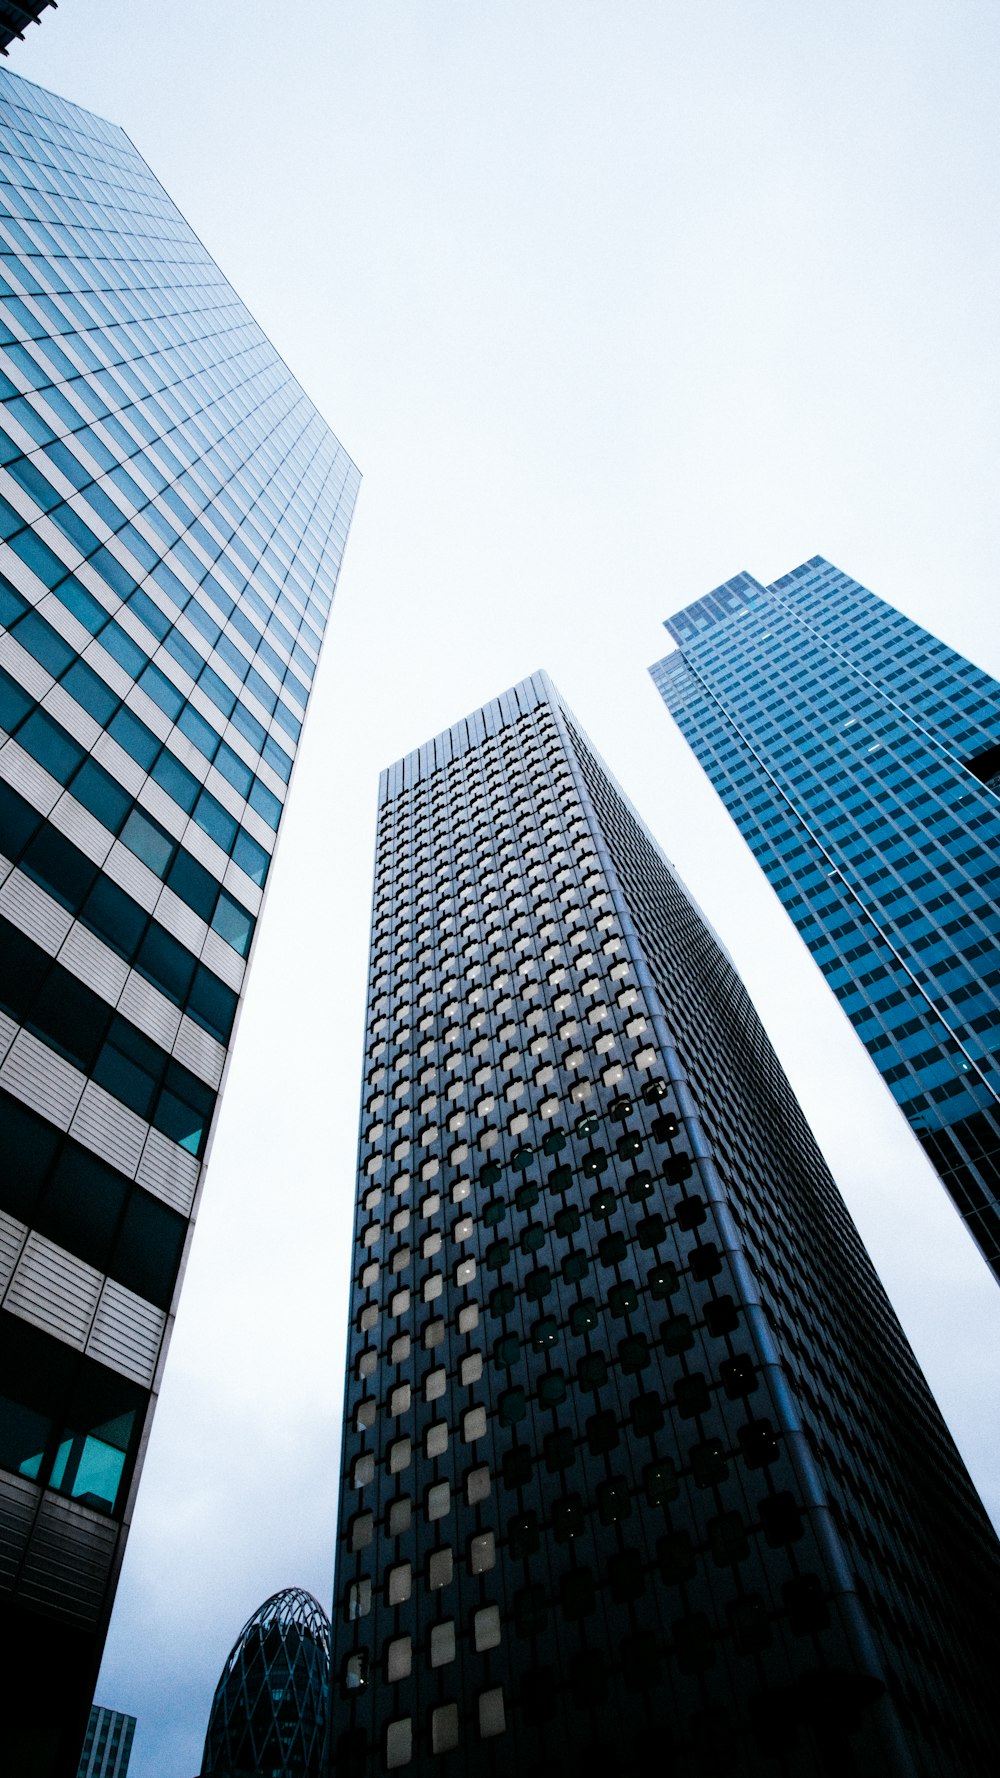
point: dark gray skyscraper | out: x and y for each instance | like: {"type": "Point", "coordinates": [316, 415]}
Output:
{"type": "Point", "coordinates": [269, 1712]}
{"type": "Point", "coordinates": [860, 758]}
{"type": "Point", "coordinates": [107, 1745]}
{"type": "Point", "coordinates": [639, 1472]}
{"type": "Point", "coordinates": [15, 19]}
{"type": "Point", "coordinates": [172, 516]}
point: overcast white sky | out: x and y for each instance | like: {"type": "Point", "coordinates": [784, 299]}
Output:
{"type": "Point", "coordinates": [608, 299]}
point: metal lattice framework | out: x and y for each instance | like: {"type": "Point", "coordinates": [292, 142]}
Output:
{"type": "Point", "coordinates": [268, 1716]}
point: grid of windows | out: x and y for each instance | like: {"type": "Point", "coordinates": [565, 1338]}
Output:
{"type": "Point", "coordinates": [107, 1746]}
{"type": "Point", "coordinates": [173, 512]}
{"type": "Point", "coordinates": [858, 755]}
{"type": "Point", "coordinates": [584, 1521]}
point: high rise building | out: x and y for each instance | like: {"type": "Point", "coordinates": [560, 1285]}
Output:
{"type": "Point", "coordinates": [172, 513]}
{"type": "Point", "coordinates": [107, 1745]}
{"type": "Point", "coordinates": [639, 1472]}
{"type": "Point", "coordinates": [859, 757]}
{"type": "Point", "coordinates": [269, 1712]}
{"type": "Point", "coordinates": [15, 19]}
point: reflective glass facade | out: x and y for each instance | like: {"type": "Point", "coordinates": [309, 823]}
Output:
{"type": "Point", "coordinates": [859, 757]}
{"type": "Point", "coordinates": [270, 1707]}
{"type": "Point", "coordinates": [172, 517]}
{"type": "Point", "coordinates": [107, 1745]}
{"type": "Point", "coordinates": [639, 1473]}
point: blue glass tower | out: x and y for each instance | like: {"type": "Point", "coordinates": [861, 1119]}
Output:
{"type": "Point", "coordinates": [639, 1473]}
{"type": "Point", "coordinates": [173, 512]}
{"type": "Point", "coordinates": [860, 758]}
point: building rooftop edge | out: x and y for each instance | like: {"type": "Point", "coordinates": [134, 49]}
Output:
{"type": "Point", "coordinates": [526, 694]}
{"type": "Point", "coordinates": [727, 599]}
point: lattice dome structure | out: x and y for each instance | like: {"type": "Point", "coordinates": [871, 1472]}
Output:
{"type": "Point", "coordinates": [268, 1717]}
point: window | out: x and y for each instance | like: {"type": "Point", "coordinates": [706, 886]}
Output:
{"type": "Point", "coordinates": [444, 1728]}
{"type": "Point", "coordinates": [438, 1501]}
{"type": "Point", "coordinates": [399, 1742]}
{"type": "Point", "coordinates": [398, 1659]}
{"type": "Point", "coordinates": [482, 1552]}
{"type": "Point", "coordinates": [65, 1421]}
{"type": "Point", "coordinates": [399, 1583]}
{"type": "Point", "coordinates": [442, 1643]}
{"type": "Point", "coordinates": [439, 1569]}
{"type": "Point", "coordinates": [492, 1720]}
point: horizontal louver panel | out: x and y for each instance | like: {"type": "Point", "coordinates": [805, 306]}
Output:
{"type": "Point", "coordinates": [54, 1290]}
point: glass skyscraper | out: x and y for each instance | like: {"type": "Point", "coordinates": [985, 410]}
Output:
{"type": "Point", "coordinates": [269, 1712]}
{"type": "Point", "coordinates": [173, 512]}
{"type": "Point", "coordinates": [860, 759]}
{"type": "Point", "coordinates": [639, 1472]}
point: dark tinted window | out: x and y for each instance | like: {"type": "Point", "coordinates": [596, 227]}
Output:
{"type": "Point", "coordinates": [24, 970]}
{"type": "Point", "coordinates": [51, 745]}
{"type": "Point", "coordinates": [165, 962]}
{"type": "Point", "coordinates": [69, 1017]}
{"type": "Point", "coordinates": [59, 867]}
{"type": "Point", "coordinates": [83, 1205]}
{"type": "Point", "coordinates": [18, 821]}
{"type": "Point", "coordinates": [194, 884]}
{"type": "Point", "coordinates": [28, 1145]}
{"type": "Point", "coordinates": [212, 1004]}
{"type": "Point", "coordinates": [101, 794]}
{"type": "Point", "coordinates": [149, 1247]}
{"type": "Point", "coordinates": [115, 917]}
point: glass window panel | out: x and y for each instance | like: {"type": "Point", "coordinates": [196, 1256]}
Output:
{"type": "Point", "coordinates": [90, 691]}
{"type": "Point", "coordinates": [53, 748]}
{"type": "Point", "coordinates": [193, 883]}
{"type": "Point", "coordinates": [44, 643]}
{"type": "Point", "coordinates": [101, 794]}
{"type": "Point", "coordinates": [61, 869]}
{"type": "Point", "coordinates": [18, 823]}
{"type": "Point", "coordinates": [115, 917]}
{"type": "Point", "coordinates": [212, 1005]}
{"type": "Point", "coordinates": [233, 923]}
{"type": "Point", "coordinates": [176, 780]}
{"type": "Point", "coordinates": [148, 1250]}
{"type": "Point", "coordinates": [162, 690]}
{"type": "Point", "coordinates": [266, 804]}
{"type": "Point", "coordinates": [135, 737]}
{"type": "Point", "coordinates": [251, 858]}
{"type": "Point", "coordinates": [83, 1205]}
{"type": "Point", "coordinates": [129, 1066]}
{"type": "Point", "coordinates": [216, 821]}
{"type": "Point", "coordinates": [121, 648]}
{"type": "Point", "coordinates": [163, 960]}
{"type": "Point", "coordinates": [28, 1145]}
{"type": "Point", "coordinates": [15, 702]}
{"type": "Point", "coordinates": [234, 769]}
{"type": "Point", "coordinates": [69, 1017]}
{"type": "Point", "coordinates": [150, 842]}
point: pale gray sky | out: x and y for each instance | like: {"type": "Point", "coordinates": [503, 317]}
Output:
{"type": "Point", "coordinates": [609, 299]}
